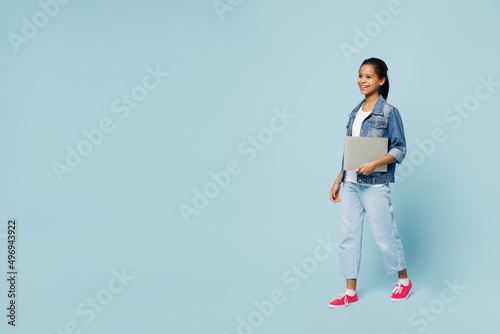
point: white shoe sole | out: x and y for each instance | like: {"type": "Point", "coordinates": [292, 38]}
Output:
{"type": "Point", "coordinates": [340, 306]}
{"type": "Point", "coordinates": [400, 299]}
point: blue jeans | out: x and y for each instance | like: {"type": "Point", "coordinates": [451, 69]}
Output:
{"type": "Point", "coordinates": [375, 202]}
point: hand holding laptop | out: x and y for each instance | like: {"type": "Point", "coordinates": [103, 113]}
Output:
{"type": "Point", "coordinates": [367, 168]}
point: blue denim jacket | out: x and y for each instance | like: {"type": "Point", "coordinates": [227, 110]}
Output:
{"type": "Point", "coordinates": [384, 122]}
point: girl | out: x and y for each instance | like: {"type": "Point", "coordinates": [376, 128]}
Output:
{"type": "Point", "coordinates": [367, 192]}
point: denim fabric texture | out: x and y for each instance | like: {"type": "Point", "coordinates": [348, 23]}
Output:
{"type": "Point", "coordinates": [384, 122]}
{"type": "Point", "coordinates": [375, 202]}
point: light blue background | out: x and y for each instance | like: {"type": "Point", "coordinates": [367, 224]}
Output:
{"type": "Point", "coordinates": [120, 207]}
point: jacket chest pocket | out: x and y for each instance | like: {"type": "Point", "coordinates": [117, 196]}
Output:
{"type": "Point", "coordinates": [377, 128]}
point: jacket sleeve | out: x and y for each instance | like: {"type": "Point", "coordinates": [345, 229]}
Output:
{"type": "Point", "coordinates": [397, 140]}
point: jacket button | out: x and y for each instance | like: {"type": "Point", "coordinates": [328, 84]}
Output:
{"type": "Point", "coordinates": [362, 130]}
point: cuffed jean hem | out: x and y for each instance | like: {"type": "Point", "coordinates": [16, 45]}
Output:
{"type": "Point", "coordinates": [388, 273]}
{"type": "Point", "coordinates": [350, 276]}
{"type": "Point", "coordinates": [395, 271]}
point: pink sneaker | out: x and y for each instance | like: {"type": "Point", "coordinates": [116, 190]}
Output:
{"type": "Point", "coordinates": [400, 292]}
{"type": "Point", "coordinates": [343, 300]}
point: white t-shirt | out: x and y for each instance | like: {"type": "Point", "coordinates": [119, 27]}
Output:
{"type": "Point", "coordinates": [351, 175]}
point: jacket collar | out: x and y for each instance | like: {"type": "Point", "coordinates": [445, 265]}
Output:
{"type": "Point", "coordinates": [377, 108]}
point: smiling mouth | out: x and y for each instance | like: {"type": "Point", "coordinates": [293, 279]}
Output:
{"type": "Point", "coordinates": [363, 87]}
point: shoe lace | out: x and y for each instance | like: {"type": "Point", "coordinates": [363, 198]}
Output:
{"type": "Point", "coordinates": [342, 295]}
{"type": "Point", "coordinates": [398, 288]}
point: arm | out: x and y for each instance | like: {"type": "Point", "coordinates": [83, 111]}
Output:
{"type": "Point", "coordinates": [369, 167]}
{"type": "Point", "coordinates": [334, 192]}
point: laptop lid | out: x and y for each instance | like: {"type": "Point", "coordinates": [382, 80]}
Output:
{"type": "Point", "coordinates": [358, 150]}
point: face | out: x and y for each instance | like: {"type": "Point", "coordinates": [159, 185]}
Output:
{"type": "Point", "coordinates": [368, 80]}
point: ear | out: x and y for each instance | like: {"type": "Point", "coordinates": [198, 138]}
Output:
{"type": "Point", "coordinates": [383, 82]}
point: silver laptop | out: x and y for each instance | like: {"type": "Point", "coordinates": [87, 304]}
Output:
{"type": "Point", "coordinates": [358, 150]}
